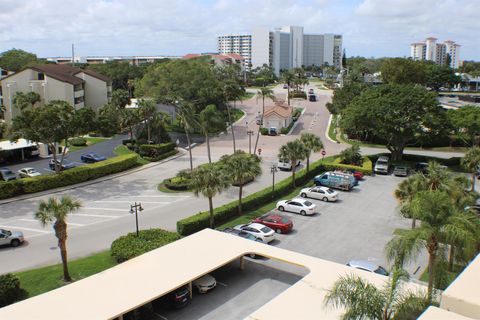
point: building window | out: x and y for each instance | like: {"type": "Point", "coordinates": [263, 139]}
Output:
{"type": "Point", "coordinates": [41, 76]}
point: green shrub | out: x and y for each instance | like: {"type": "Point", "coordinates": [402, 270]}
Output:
{"type": "Point", "coordinates": [155, 150]}
{"type": "Point", "coordinates": [177, 183]}
{"type": "Point", "coordinates": [286, 130]}
{"type": "Point", "coordinates": [78, 142]}
{"type": "Point", "coordinates": [298, 94]}
{"type": "Point", "coordinates": [10, 290]}
{"type": "Point", "coordinates": [67, 177]}
{"type": "Point", "coordinates": [162, 156]}
{"type": "Point", "coordinates": [131, 246]}
{"type": "Point", "coordinates": [264, 131]}
{"type": "Point", "coordinates": [351, 155]}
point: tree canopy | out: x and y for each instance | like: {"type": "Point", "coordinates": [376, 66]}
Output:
{"type": "Point", "coordinates": [466, 123]}
{"type": "Point", "coordinates": [16, 60]}
{"type": "Point", "coordinates": [402, 71]}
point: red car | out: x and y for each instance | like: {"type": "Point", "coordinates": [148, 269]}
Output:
{"type": "Point", "coordinates": [357, 174]}
{"type": "Point", "coordinates": [277, 222]}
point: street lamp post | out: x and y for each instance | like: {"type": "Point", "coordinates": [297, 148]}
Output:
{"type": "Point", "coordinates": [250, 134]}
{"type": "Point", "coordinates": [134, 208]}
{"type": "Point", "coordinates": [273, 170]}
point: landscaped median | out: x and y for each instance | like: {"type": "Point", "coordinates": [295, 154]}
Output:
{"type": "Point", "coordinates": [68, 177]}
{"type": "Point", "coordinates": [229, 211]}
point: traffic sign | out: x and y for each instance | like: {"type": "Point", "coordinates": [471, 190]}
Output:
{"type": "Point", "coordinates": [324, 152]}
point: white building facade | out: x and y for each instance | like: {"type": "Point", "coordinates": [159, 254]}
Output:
{"type": "Point", "coordinates": [239, 44]}
{"type": "Point", "coordinates": [437, 52]}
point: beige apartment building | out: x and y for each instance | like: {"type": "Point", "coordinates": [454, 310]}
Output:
{"type": "Point", "coordinates": [76, 86]}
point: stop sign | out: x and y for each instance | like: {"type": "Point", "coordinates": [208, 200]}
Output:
{"type": "Point", "coordinates": [324, 152]}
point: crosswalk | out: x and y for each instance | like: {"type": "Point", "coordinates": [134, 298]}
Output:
{"type": "Point", "coordinates": [91, 212]}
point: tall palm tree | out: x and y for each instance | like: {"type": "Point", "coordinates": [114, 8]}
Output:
{"type": "Point", "coordinates": [232, 91]}
{"type": "Point", "coordinates": [129, 118]}
{"type": "Point", "coordinates": [209, 179]}
{"type": "Point", "coordinates": [188, 120]}
{"type": "Point", "coordinates": [471, 162]}
{"type": "Point", "coordinates": [287, 78]}
{"type": "Point", "coordinates": [407, 190]}
{"type": "Point", "coordinates": [264, 92]}
{"type": "Point", "coordinates": [242, 168]}
{"type": "Point", "coordinates": [312, 143]}
{"type": "Point", "coordinates": [363, 300]}
{"type": "Point", "coordinates": [56, 211]}
{"type": "Point", "coordinates": [210, 119]}
{"type": "Point", "coordinates": [293, 151]}
{"type": "Point", "coordinates": [147, 111]}
{"type": "Point", "coordinates": [439, 222]}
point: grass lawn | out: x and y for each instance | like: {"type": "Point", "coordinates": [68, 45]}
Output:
{"type": "Point", "coordinates": [247, 96]}
{"type": "Point", "coordinates": [161, 187]}
{"type": "Point", "coordinates": [121, 150]}
{"type": "Point", "coordinates": [44, 279]}
{"type": "Point", "coordinates": [332, 127]}
{"type": "Point", "coordinates": [90, 141]}
{"type": "Point", "coordinates": [450, 275]}
{"type": "Point", "coordinates": [236, 114]}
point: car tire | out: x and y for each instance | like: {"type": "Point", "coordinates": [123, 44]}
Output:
{"type": "Point", "coordinates": [278, 231]}
{"type": "Point", "coordinates": [15, 243]}
{"type": "Point", "coordinates": [281, 208]}
{"type": "Point", "coordinates": [325, 199]}
{"type": "Point", "coordinates": [303, 195]}
{"type": "Point", "coordinates": [303, 213]}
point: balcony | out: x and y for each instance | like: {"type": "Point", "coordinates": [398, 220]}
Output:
{"type": "Point", "coordinates": [79, 93]}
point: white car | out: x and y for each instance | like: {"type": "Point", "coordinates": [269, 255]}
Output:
{"type": "Point", "coordinates": [286, 165]}
{"type": "Point", "coordinates": [258, 230]}
{"type": "Point", "coordinates": [204, 283]}
{"type": "Point", "coordinates": [297, 205]}
{"type": "Point", "coordinates": [13, 239]}
{"type": "Point", "coordinates": [320, 193]}
{"type": "Point", "coordinates": [28, 173]}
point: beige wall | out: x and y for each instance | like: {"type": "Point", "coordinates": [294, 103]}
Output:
{"type": "Point", "coordinates": [96, 91]}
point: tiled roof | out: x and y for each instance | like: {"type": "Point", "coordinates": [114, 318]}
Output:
{"type": "Point", "coordinates": [67, 73]}
{"type": "Point", "coordinates": [281, 109]}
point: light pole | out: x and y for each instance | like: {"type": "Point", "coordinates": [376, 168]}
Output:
{"type": "Point", "coordinates": [137, 207]}
{"type": "Point", "coordinates": [250, 134]}
{"type": "Point", "coordinates": [273, 169]}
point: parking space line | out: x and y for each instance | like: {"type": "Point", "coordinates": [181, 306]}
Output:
{"type": "Point", "coordinates": [27, 229]}
{"type": "Point", "coordinates": [106, 209]}
{"type": "Point", "coordinates": [159, 315]}
{"type": "Point", "coordinates": [75, 224]}
{"type": "Point", "coordinates": [94, 215]}
{"type": "Point", "coordinates": [162, 196]}
{"type": "Point", "coordinates": [222, 284]}
{"type": "Point", "coordinates": [120, 201]}
{"type": "Point", "coordinates": [28, 220]}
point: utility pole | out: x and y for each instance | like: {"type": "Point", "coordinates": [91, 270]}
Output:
{"type": "Point", "coordinates": [73, 55]}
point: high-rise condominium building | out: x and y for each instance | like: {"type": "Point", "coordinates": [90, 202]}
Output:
{"type": "Point", "coordinates": [284, 48]}
{"type": "Point", "coordinates": [239, 44]}
{"type": "Point", "coordinates": [437, 52]}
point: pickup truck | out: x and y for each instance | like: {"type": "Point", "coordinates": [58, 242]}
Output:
{"type": "Point", "coordinates": [335, 180]}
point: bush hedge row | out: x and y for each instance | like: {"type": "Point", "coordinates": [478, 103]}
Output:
{"type": "Point", "coordinates": [177, 184]}
{"type": "Point", "coordinates": [226, 212]}
{"type": "Point", "coordinates": [67, 177]}
{"type": "Point", "coordinates": [78, 142]}
{"type": "Point", "coordinates": [155, 150]}
{"type": "Point", "coordinates": [131, 246]}
{"type": "Point", "coordinates": [10, 290]}
{"type": "Point", "coordinates": [162, 156]}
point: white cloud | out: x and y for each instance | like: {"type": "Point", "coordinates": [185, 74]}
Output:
{"type": "Point", "coordinates": [127, 27]}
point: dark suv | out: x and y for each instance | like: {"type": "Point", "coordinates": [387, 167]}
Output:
{"type": "Point", "coordinates": [63, 166]}
{"type": "Point", "coordinates": [176, 299]}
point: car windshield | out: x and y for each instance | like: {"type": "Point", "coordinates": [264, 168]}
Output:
{"type": "Point", "coordinates": [285, 220]}
{"type": "Point", "coordinates": [381, 271]}
{"type": "Point", "coordinates": [265, 229]}
{"type": "Point", "coordinates": [307, 203]}
{"type": "Point", "coordinates": [383, 163]}
{"type": "Point", "coordinates": [330, 191]}
{"type": "Point", "coordinates": [94, 155]}
{"type": "Point", "coordinates": [6, 232]}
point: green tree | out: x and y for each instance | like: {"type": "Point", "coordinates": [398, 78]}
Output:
{"type": "Point", "coordinates": [396, 114]}
{"type": "Point", "coordinates": [188, 120]}
{"type": "Point", "coordinates": [287, 77]}
{"type": "Point", "coordinates": [242, 168]}
{"type": "Point", "coordinates": [342, 97]}
{"type": "Point", "coordinates": [293, 151]}
{"type": "Point", "coordinates": [471, 163]}
{"type": "Point", "coordinates": [232, 91]}
{"type": "Point", "coordinates": [352, 155]}
{"type": "Point", "coordinates": [84, 120]}
{"type": "Point", "coordinates": [129, 118]}
{"type": "Point", "coordinates": [312, 144]}
{"type": "Point", "coordinates": [403, 71]}
{"type": "Point", "coordinates": [121, 73]}
{"type": "Point", "coordinates": [406, 191]}
{"type": "Point", "coordinates": [466, 123]}
{"type": "Point", "coordinates": [437, 76]}
{"type": "Point", "coordinates": [210, 120]}
{"type": "Point", "coordinates": [147, 110]}
{"type": "Point", "coordinates": [363, 300]}
{"type": "Point", "coordinates": [208, 180]}
{"type": "Point", "coordinates": [16, 60]}
{"type": "Point", "coordinates": [265, 93]}
{"type": "Point", "coordinates": [22, 101]}
{"type": "Point", "coordinates": [51, 124]}
{"type": "Point", "coordinates": [57, 212]}
{"type": "Point", "coordinates": [120, 98]}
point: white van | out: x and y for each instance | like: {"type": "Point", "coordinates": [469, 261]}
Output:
{"type": "Point", "coordinates": [381, 166]}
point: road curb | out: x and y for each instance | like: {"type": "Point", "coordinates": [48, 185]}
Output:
{"type": "Point", "coordinates": [296, 122]}
{"type": "Point", "coordinates": [181, 152]}
{"type": "Point", "coordinates": [328, 129]}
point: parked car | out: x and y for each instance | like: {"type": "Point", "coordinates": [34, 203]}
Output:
{"type": "Point", "coordinates": [14, 238]}
{"type": "Point", "coordinates": [312, 97]}
{"type": "Point", "coordinates": [65, 165]}
{"type": "Point", "coordinates": [421, 167]}
{"type": "Point", "coordinates": [258, 230]}
{"type": "Point", "coordinates": [335, 180]}
{"type": "Point", "coordinates": [28, 173]}
{"type": "Point", "coordinates": [7, 175]}
{"type": "Point", "coordinates": [92, 157]}
{"type": "Point", "coordinates": [272, 131]}
{"type": "Point", "coordinates": [204, 283]}
{"type": "Point", "coordinates": [285, 86]}
{"type": "Point", "coordinates": [297, 205]}
{"type": "Point", "coordinates": [286, 165]}
{"type": "Point", "coordinates": [176, 299]}
{"type": "Point", "coordinates": [381, 166]}
{"type": "Point", "coordinates": [400, 171]}
{"type": "Point", "coordinates": [241, 234]}
{"type": "Point", "coordinates": [310, 91]}
{"type": "Point", "coordinates": [356, 174]}
{"type": "Point", "coordinates": [368, 266]}
{"type": "Point", "coordinates": [277, 222]}
{"type": "Point", "coordinates": [320, 193]}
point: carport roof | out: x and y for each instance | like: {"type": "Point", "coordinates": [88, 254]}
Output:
{"type": "Point", "coordinates": [19, 144]}
{"type": "Point", "coordinates": [131, 284]}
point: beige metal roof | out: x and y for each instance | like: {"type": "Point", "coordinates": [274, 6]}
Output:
{"type": "Point", "coordinates": [129, 285]}
{"type": "Point", "coordinates": [434, 313]}
{"type": "Point", "coordinates": [463, 295]}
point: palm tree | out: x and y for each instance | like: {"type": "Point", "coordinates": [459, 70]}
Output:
{"type": "Point", "coordinates": [129, 118]}
{"type": "Point", "coordinates": [22, 101]}
{"type": "Point", "coordinates": [440, 221]}
{"type": "Point", "coordinates": [56, 211]}
{"type": "Point", "coordinates": [264, 92]}
{"type": "Point", "coordinates": [312, 143]}
{"type": "Point", "coordinates": [242, 168]}
{"type": "Point", "coordinates": [210, 119]}
{"type": "Point", "coordinates": [188, 120]}
{"type": "Point", "coordinates": [471, 162]}
{"type": "Point", "coordinates": [209, 179]}
{"type": "Point", "coordinates": [406, 191]}
{"type": "Point", "coordinates": [293, 151]}
{"type": "Point", "coordinates": [363, 300]}
{"type": "Point", "coordinates": [287, 78]}
{"type": "Point", "coordinates": [147, 111]}
{"type": "Point", "coordinates": [232, 91]}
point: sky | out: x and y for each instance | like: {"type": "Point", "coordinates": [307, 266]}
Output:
{"type": "Point", "coordinates": [370, 28]}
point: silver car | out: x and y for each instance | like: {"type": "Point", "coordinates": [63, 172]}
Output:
{"type": "Point", "coordinates": [13, 239]}
{"type": "Point", "coordinates": [368, 266]}
{"type": "Point", "coordinates": [28, 173]}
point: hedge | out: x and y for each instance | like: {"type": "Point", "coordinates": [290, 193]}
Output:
{"type": "Point", "coordinates": [78, 142]}
{"type": "Point", "coordinates": [155, 150]}
{"type": "Point", "coordinates": [131, 246]}
{"type": "Point", "coordinates": [226, 212]}
{"type": "Point", "coordinates": [67, 177]}
{"type": "Point", "coordinates": [177, 183]}
{"type": "Point", "coordinates": [162, 156]}
{"type": "Point", "coordinates": [10, 290]}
